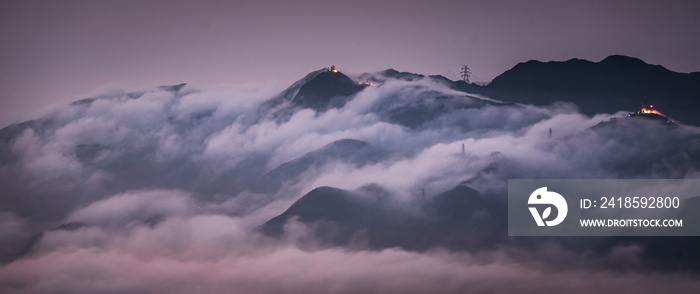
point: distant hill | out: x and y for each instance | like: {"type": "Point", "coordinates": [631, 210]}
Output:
{"type": "Point", "coordinates": [355, 152]}
{"type": "Point", "coordinates": [615, 83]}
{"type": "Point", "coordinates": [459, 218]}
{"type": "Point", "coordinates": [326, 90]}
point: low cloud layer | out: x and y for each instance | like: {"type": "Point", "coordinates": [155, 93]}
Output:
{"type": "Point", "coordinates": [291, 270]}
{"type": "Point", "coordinates": [163, 190]}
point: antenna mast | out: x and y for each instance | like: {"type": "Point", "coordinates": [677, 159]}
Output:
{"type": "Point", "coordinates": [465, 73]}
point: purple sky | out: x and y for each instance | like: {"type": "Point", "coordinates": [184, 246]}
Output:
{"type": "Point", "coordinates": [54, 52]}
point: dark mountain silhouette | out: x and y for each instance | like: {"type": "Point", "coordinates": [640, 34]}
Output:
{"type": "Point", "coordinates": [289, 93]}
{"type": "Point", "coordinates": [326, 90]}
{"type": "Point", "coordinates": [319, 90]}
{"type": "Point", "coordinates": [459, 218]}
{"type": "Point", "coordinates": [351, 151]}
{"type": "Point", "coordinates": [419, 107]}
{"type": "Point", "coordinates": [427, 110]}
{"type": "Point", "coordinates": [613, 84]}
{"type": "Point", "coordinates": [337, 214]}
{"type": "Point", "coordinates": [407, 76]}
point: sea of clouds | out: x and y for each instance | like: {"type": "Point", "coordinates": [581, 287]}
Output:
{"type": "Point", "coordinates": [150, 191]}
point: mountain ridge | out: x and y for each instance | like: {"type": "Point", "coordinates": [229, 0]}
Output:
{"type": "Point", "coordinates": [615, 83]}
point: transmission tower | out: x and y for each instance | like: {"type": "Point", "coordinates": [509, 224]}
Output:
{"type": "Point", "coordinates": [465, 73]}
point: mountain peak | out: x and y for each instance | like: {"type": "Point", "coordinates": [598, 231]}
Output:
{"type": "Point", "coordinates": [173, 88]}
{"type": "Point", "coordinates": [622, 59]}
{"type": "Point", "coordinates": [328, 89]}
{"type": "Point", "coordinates": [615, 83]}
{"type": "Point", "coordinates": [401, 75]}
